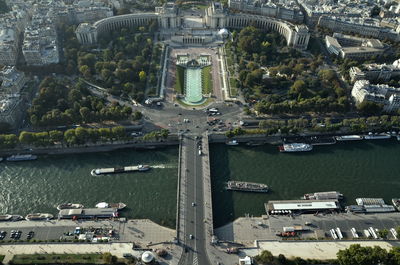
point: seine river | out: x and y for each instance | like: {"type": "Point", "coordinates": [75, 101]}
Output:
{"type": "Point", "coordinates": [357, 169]}
{"type": "Point", "coordinates": [39, 186]}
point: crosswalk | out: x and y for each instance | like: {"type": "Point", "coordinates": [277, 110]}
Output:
{"type": "Point", "coordinates": [195, 259]}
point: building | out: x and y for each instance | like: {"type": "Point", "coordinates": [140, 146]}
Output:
{"type": "Point", "coordinates": [375, 72]}
{"type": "Point", "coordinates": [40, 45]}
{"type": "Point", "coordinates": [364, 26]}
{"type": "Point", "coordinates": [12, 80]}
{"type": "Point", "coordinates": [302, 206]}
{"type": "Point", "coordinates": [216, 17]}
{"type": "Point", "coordinates": [346, 46]}
{"type": "Point", "coordinates": [287, 10]}
{"type": "Point", "coordinates": [382, 94]}
{"type": "Point", "coordinates": [8, 46]}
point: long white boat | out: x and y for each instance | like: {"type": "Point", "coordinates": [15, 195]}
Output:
{"type": "Point", "coordinates": [349, 137]}
{"type": "Point", "coordinates": [111, 170]}
{"type": "Point", "coordinates": [377, 136]}
{"type": "Point", "coordinates": [295, 147]}
{"type": "Point", "coordinates": [70, 206]}
{"type": "Point", "coordinates": [233, 142]}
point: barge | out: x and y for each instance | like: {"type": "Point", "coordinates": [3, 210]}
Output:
{"type": "Point", "coordinates": [379, 136]}
{"type": "Point", "coordinates": [246, 186]}
{"type": "Point", "coordinates": [295, 147]}
{"type": "Point", "coordinates": [17, 158]}
{"type": "Point", "coordinates": [326, 195]}
{"type": "Point", "coordinates": [349, 138]}
{"type": "Point", "coordinates": [88, 213]}
{"type": "Point", "coordinates": [104, 205]}
{"type": "Point", "coordinates": [113, 170]}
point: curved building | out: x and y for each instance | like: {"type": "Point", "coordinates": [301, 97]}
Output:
{"type": "Point", "coordinates": [216, 17]}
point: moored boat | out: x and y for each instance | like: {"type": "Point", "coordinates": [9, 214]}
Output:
{"type": "Point", "coordinates": [349, 137]}
{"type": "Point", "coordinates": [377, 136]}
{"type": "Point", "coordinates": [246, 186]}
{"type": "Point", "coordinates": [16, 158]}
{"type": "Point", "coordinates": [118, 205]}
{"type": "Point", "coordinates": [396, 203]}
{"type": "Point", "coordinates": [39, 216]}
{"type": "Point", "coordinates": [69, 206]}
{"type": "Point", "coordinates": [295, 147]}
{"type": "Point", "coordinates": [5, 217]}
{"type": "Point", "coordinates": [233, 142]}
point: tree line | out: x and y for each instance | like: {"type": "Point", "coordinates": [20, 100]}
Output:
{"type": "Point", "coordinates": [71, 137]}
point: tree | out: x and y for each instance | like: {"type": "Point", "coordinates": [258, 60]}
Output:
{"type": "Point", "coordinates": [357, 255]}
{"type": "Point", "coordinates": [369, 108]}
{"type": "Point", "coordinates": [265, 257]}
{"type": "Point", "coordinates": [26, 138]}
{"type": "Point", "coordinates": [118, 132]}
{"type": "Point", "coordinates": [85, 71]}
{"type": "Point", "coordinates": [85, 113]}
{"type": "Point", "coordinates": [137, 115]}
{"type": "Point", "coordinates": [142, 76]}
{"type": "Point", "coordinates": [56, 136]}
{"type": "Point", "coordinates": [298, 87]}
{"type": "Point", "coordinates": [383, 233]}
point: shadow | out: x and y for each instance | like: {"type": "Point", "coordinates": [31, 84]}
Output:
{"type": "Point", "coordinates": [223, 210]}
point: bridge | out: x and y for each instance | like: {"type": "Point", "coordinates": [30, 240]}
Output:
{"type": "Point", "coordinates": [194, 213]}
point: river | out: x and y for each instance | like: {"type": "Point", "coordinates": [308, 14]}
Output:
{"type": "Point", "coordinates": [39, 186]}
{"type": "Point", "coordinates": [356, 169]}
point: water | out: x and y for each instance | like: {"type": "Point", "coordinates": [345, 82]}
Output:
{"type": "Point", "coordinates": [356, 169]}
{"type": "Point", "coordinates": [39, 186]}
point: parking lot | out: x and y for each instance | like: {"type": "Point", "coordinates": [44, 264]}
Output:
{"type": "Point", "coordinates": [246, 230]}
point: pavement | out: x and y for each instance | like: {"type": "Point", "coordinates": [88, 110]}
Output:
{"type": "Point", "coordinates": [117, 249]}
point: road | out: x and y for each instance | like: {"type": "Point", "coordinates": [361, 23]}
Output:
{"type": "Point", "coordinates": [193, 236]}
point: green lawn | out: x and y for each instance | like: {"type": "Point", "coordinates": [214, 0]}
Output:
{"type": "Point", "coordinates": [59, 259]}
{"type": "Point", "coordinates": [233, 87]}
{"type": "Point", "coordinates": [206, 79]}
{"type": "Point", "coordinates": [180, 79]}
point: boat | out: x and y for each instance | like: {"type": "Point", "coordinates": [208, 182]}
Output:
{"type": "Point", "coordinates": [5, 217]}
{"type": "Point", "coordinates": [10, 217]}
{"type": "Point", "coordinates": [349, 137]}
{"type": "Point", "coordinates": [1, 159]}
{"type": "Point", "coordinates": [253, 143]}
{"type": "Point", "coordinates": [295, 147]}
{"type": "Point", "coordinates": [396, 203]}
{"type": "Point", "coordinates": [398, 137]}
{"type": "Point", "coordinates": [379, 136]}
{"type": "Point", "coordinates": [101, 171]}
{"type": "Point", "coordinates": [118, 205]}
{"type": "Point", "coordinates": [69, 206]}
{"type": "Point", "coordinates": [246, 186]}
{"type": "Point", "coordinates": [233, 142]}
{"type": "Point", "coordinates": [15, 158]}
{"type": "Point", "coordinates": [326, 195]}
{"type": "Point", "coordinates": [39, 216]}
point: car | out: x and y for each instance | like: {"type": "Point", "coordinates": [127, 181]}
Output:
{"type": "Point", "coordinates": [193, 204]}
{"type": "Point", "coordinates": [191, 236]}
{"type": "Point", "coordinates": [127, 255]}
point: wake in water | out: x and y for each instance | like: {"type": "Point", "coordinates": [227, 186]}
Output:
{"type": "Point", "coordinates": [164, 166]}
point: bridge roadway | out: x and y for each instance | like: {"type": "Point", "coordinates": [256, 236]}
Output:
{"type": "Point", "coordinates": [192, 229]}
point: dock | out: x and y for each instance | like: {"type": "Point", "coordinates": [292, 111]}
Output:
{"type": "Point", "coordinates": [113, 170]}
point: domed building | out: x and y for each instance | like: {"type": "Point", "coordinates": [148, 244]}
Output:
{"type": "Point", "coordinates": [223, 33]}
{"type": "Point", "coordinates": [147, 257]}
